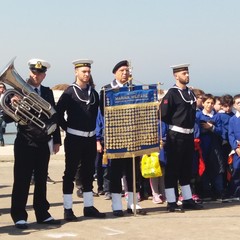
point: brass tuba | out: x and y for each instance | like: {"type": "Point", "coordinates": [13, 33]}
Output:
{"type": "Point", "coordinates": [30, 107]}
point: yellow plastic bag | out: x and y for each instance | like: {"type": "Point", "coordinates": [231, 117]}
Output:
{"type": "Point", "coordinates": [150, 166]}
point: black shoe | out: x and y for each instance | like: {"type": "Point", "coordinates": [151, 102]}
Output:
{"type": "Point", "coordinates": [191, 204]}
{"type": "Point", "coordinates": [51, 222]}
{"type": "Point", "coordinates": [50, 181]}
{"type": "Point", "coordinates": [2, 143]}
{"type": "Point", "coordinates": [107, 196]}
{"type": "Point", "coordinates": [138, 211]}
{"type": "Point", "coordinates": [95, 194]}
{"type": "Point", "coordinates": [93, 212]}
{"type": "Point", "coordinates": [101, 192]}
{"type": "Point", "coordinates": [80, 193]}
{"type": "Point", "coordinates": [173, 207]}
{"type": "Point", "coordinates": [69, 215]}
{"type": "Point", "coordinates": [118, 213]}
{"type": "Point", "coordinates": [21, 225]}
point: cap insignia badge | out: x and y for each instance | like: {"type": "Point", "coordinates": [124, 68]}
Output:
{"type": "Point", "coordinates": [38, 65]}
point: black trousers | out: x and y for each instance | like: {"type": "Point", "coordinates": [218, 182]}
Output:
{"type": "Point", "coordinates": [29, 159]}
{"type": "Point", "coordinates": [79, 150]}
{"type": "Point", "coordinates": [103, 180]}
{"type": "Point", "coordinates": [121, 166]}
{"type": "Point", "coordinates": [179, 151]}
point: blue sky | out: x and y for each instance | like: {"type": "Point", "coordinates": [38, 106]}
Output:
{"type": "Point", "coordinates": [153, 34]}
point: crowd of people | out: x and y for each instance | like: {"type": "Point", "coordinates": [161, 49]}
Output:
{"type": "Point", "coordinates": [199, 158]}
{"type": "Point", "coordinates": [216, 136]}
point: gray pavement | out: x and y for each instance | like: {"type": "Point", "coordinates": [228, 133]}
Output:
{"type": "Point", "coordinates": [216, 221]}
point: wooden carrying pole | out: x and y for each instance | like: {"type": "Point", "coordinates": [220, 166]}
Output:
{"type": "Point", "coordinates": [134, 185]}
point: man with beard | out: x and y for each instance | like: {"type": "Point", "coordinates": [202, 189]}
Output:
{"type": "Point", "coordinates": [178, 110]}
{"type": "Point", "coordinates": [80, 103]}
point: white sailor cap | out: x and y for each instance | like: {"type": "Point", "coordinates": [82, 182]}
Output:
{"type": "Point", "coordinates": [82, 63]}
{"type": "Point", "coordinates": [38, 65]}
{"type": "Point", "coordinates": [180, 67]}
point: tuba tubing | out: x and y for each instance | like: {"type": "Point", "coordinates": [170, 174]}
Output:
{"type": "Point", "coordinates": [22, 111]}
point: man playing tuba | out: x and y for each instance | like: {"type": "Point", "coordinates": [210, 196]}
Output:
{"type": "Point", "coordinates": [32, 153]}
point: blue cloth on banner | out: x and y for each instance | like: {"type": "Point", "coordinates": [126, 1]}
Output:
{"type": "Point", "coordinates": [132, 128]}
{"type": "Point", "coordinates": [139, 94]}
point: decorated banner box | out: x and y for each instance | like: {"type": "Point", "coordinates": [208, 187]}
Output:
{"type": "Point", "coordinates": [131, 121]}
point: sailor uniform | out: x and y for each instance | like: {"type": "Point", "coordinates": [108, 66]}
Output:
{"type": "Point", "coordinates": [82, 63]}
{"type": "Point", "coordinates": [178, 110]}
{"type": "Point", "coordinates": [180, 67]}
{"type": "Point", "coordinates": [81, 107]}
{"type": "Point", "coordinates": [32, 153]}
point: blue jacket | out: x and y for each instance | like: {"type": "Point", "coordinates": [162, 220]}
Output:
{"type": "Point", "coordinates": [234, 137]}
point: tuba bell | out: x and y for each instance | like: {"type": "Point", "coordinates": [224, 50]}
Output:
{"type": "Point", "coordinates": [30, 107]}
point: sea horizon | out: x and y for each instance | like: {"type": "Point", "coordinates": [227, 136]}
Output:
{"type": "Point", "coordinates": [11, 128]}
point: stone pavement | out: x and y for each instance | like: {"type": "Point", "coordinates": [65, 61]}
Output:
{"type": "Point", "coordinates": [216, 221]}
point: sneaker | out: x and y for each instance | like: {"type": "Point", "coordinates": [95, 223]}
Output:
{"type": "Point", "coordinates": [126, 196]}
{"type": "Point", "coordinates": [180, 198]}
{"type": "Point", "coordinates": [156, 199]}
{"type": "Point", "coordinates": [50, 181]}
{"type": "Point", "coordinates": [196, 198]}
{"type": "Point", "coordinates": [163, 198]}
{"type": "Point", "coordinates": [139, 211]}
{"type": "Point", "coordinates": [139, 198]}
{"type": "Point", "coordinates": [150, 198]}
{"type": "Point", "coordinates": [107, 196]}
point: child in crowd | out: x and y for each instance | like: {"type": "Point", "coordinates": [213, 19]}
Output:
{"type": "Point", "coordinates": [103, 179]}
{"type": "Point", "coordinates": [199, 95]}
{"type": "Point", "coordinates": [217, 105]}
{"type": "Point", "coordinates": [198, 163]}
{"type": "Point", "coordinates": [225, 113]}
{"type": "Point", "coordinates": [234, 140]}
{"type": "Point", "coordinates": [210, 132]}
{"type": "Point", "coordinates": [157, 184]}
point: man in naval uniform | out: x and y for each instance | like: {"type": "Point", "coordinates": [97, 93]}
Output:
{"type": "Point", "coordinates": [178, 110]}
{"type": "Point", "coordinates": [32, 153]}
{"type": "Point", "coordinates": [118, 166]}
{"type": "Point", "coordinates": [80, 102]}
